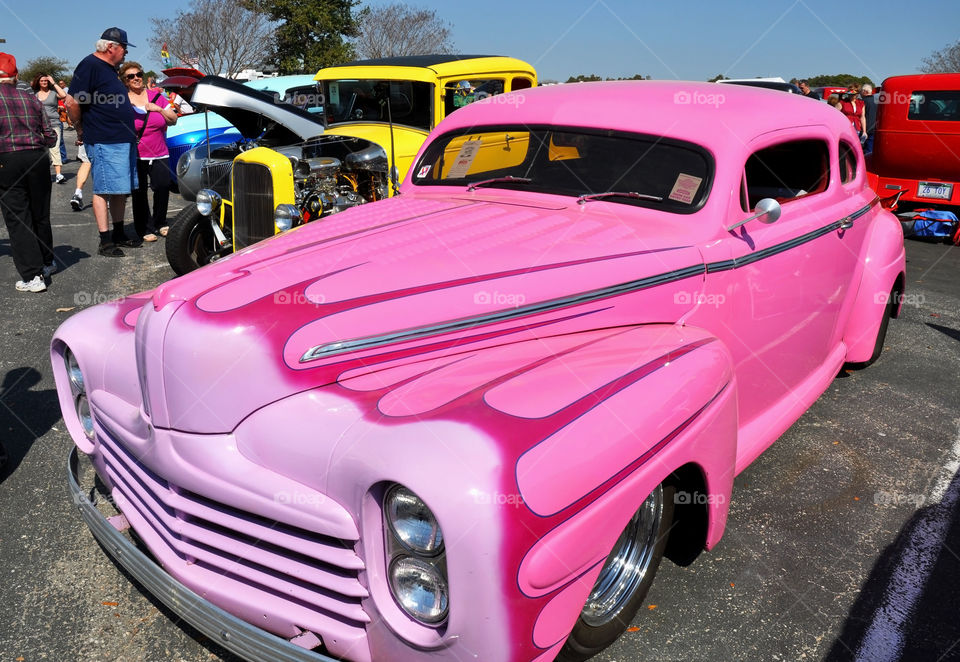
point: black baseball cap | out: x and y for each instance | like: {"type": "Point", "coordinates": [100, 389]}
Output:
{"type": "Point", "coordinates": [117, 35]}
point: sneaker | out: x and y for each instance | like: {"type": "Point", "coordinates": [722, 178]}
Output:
{"type": "Point", "coordinates": [60, 179]}
{"type": "Point", "coordinates": [35, 285]}
{"type": "Point", "coordinates": [129, 243]}
{"type": "Point", "coordinates": [77, 201]}
{"type": "Point", "coordinates": [50, 269]}
{"type": "Point", "coordinates": [110, 250]}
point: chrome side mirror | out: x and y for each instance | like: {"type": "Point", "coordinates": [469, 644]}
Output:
{"type": "Point", "coordinates": [767, 211]}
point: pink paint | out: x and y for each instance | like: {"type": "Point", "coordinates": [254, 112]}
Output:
{"type": "Point", "coordinates": [531, 367]}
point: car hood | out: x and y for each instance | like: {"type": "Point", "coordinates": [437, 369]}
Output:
{"type": "Point", "coordinates": [255, 113]}
{"type": "Point", "coordinates": [398, 279]}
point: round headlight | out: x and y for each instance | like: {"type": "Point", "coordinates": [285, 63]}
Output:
{"type": "Point", "coordinates": [207, 201]}
{"type": "Point", "coordinates": [412, 522]}
{"type": "Point", "coordinates": [286, 217]}
{"type": "Point", "coordinates": [73, 372]}
{"type": "Point", "coordinates": [183, 163]}
{"type": "Point", "coordinates": [86, 418]}
{"type": "Point", "coordinates": [420, 589]}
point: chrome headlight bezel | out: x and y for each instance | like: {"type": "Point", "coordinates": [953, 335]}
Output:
{"type": "Point", "coordinates": [415, 556]}
{"type": "Point", "coordinates": [286, 216]}
{"type": "Point", "coordinates": [74, 373]}
{"type": "Point", "coordinates": [420, 588]}
{"type": "Point", "coordinates": [208, 201]}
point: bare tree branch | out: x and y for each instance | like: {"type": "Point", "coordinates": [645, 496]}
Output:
{"type": "Point", "coordinates": [399, 29]}
{"type": "Point", "coordinates": [944, 61]}
{"type": "Point", "coordinates": [223, 36]}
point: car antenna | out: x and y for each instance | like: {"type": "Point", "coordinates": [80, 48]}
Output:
{"type": "Point", "coordinates": [393, 153]}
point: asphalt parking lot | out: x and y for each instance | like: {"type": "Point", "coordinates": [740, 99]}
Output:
{"type": "Point", "coordinates": [843, 541]}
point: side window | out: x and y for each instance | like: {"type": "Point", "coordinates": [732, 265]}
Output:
{"type": "Point", "coordinates": [787, 171]}
{"type": "Point", "coordinates": [848, 163]}
{"type": "Point", "coordinates": [464, 92]}
{"type": "Point", "coordinates": [520, 84]}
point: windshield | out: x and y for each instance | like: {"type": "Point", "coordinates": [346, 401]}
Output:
{"type": "Point", "coordinates": [668, 174]}
{"type": "Point", "coordinates": [366, 100]}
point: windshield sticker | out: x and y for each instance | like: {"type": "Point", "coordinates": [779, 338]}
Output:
{"type": "Point", "coordinates": [685, 188]}
{"type": "Point", "coordinates": [465, 157]}
{"type": "Point", "coordinates": [424, 171]}
{"type": "Point", "coordinates": [335, 94]}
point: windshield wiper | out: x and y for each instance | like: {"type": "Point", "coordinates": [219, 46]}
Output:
{"type": "Point", "coordinates": [509, 179]}
{"type": "Point", "coordinates": [583, 199]}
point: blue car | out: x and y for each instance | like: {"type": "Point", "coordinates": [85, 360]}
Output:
{"type": "Point", "coordinates": [196, 130]}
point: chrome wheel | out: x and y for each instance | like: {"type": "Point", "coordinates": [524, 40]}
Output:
{"type": "Point", "coordinates": [627, 565]}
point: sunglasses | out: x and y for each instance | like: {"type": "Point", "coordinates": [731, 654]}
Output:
{"type": "Point", "coordinates": [136, 75]}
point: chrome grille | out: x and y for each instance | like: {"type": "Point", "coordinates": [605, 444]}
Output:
{"type": "Point", "coordinates": [216, 176]}
{"type": "Point", "coordinates": [317, 575]}
{"type": "Point", "coordinates": [252, 204]}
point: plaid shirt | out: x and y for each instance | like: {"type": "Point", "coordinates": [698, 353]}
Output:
{"type": "Point", "coordinates": [22, 122]}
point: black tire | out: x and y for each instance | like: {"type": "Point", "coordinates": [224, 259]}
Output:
{"type": "Point", "coordinates": [599, 626]}
{"type": "Point", "coordinates": [881, 333]}
{"type": "Point", "coordinates": [190, 241]}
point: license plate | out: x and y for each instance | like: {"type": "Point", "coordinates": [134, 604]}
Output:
{"type": "Point", "coordinates": [934, 190]}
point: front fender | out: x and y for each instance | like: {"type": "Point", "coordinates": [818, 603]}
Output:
{"type": "Point", "coordinates": [884, 268]}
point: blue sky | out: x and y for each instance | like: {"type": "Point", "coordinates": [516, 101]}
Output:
{"type": "Point", "coordinates": [694, 40]}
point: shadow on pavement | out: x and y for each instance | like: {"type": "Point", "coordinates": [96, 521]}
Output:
{"type": "Point", "coordinates": [908, 608]}
{"type": "Point", "coordinates": [25, 415]}
{"type": "Point", "coordinates": [945, 330]}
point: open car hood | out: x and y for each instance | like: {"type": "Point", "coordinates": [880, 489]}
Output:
{"type": "Point", "coordinates": [256, 113]}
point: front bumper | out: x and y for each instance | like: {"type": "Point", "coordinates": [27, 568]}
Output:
{"type": "Point", "coordinates": [235, 635]}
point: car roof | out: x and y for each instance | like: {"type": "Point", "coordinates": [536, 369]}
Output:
{"type": "Point", "coordinates": [714, 116]}
{"type": "Point", "coordinates": [911, 82]}
{"type": "Point", "coordinates": [425, 67]}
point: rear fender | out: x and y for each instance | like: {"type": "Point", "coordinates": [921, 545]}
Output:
{"type": "Point", "coordinates": [882, 277]}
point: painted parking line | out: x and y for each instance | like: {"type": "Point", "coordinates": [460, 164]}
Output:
{"type": "Point", "coordinates": [884, 639]}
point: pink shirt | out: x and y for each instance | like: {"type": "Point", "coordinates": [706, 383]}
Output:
{"type": "Point", "coordinates": [153, 143]}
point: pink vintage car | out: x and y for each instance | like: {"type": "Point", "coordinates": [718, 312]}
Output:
{"type": "Point", "coordinates": [467, 422]}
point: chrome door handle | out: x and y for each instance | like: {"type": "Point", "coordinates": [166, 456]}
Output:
{"type": "Point", "coordinates": [846, 223]}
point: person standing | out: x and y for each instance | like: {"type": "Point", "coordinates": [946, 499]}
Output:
{"type": "Point", "coordinates": [48, 93]}
{"type": "Point", "coordinates": [25, 141]}
{"type": "Point", "coordinates": [102, 115]}
{"type": "Point", "coordinates": [804, 86]}
{"type": "Point", "coordinates": [853, 108]}
{"type": "Point", "coordinates": [154, 115]}
{"type": "Point", "coordinates": [870, 114]}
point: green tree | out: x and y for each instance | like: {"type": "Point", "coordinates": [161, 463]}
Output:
{"type": "Point", "coordinates": [837, 79]}
{"type": "Point", "coordinates": [50, 66]}
{"type": "Point", "coordinates": [584, 79]}
{"type": "Point", "coordinates": [716, 78]}
{"type": "Point", "coordinates": [312, 34]}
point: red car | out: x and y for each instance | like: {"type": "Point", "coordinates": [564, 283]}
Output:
{"type": "Point", "coordinates": [916, 155]}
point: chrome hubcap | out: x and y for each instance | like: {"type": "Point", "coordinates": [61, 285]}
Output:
{"type": "Point", "coordinates": [627, 565]}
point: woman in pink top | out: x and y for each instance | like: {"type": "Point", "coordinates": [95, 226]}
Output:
{"type": "Point", "coordinates": [153, 116]}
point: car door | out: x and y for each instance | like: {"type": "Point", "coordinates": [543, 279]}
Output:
{"type": "Point", "coordinates": [792, 277]}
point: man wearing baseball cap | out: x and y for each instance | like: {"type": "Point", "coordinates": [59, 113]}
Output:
{"type": "Point", "coordinates": [100, 110]}
{"type": "Point", "coordinates": [25, 138]}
